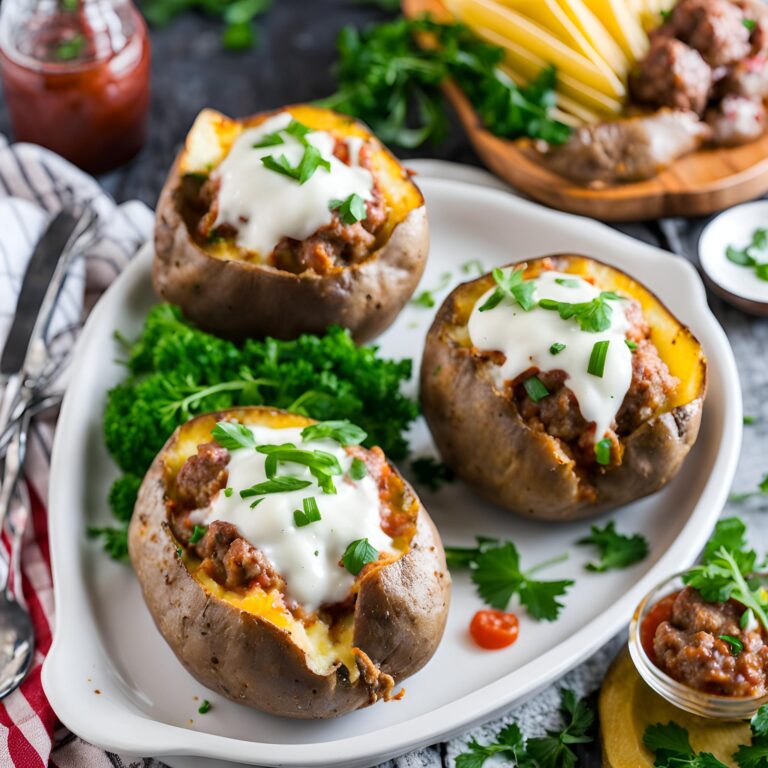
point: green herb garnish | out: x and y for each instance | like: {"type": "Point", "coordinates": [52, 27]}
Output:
{"type": "Point", "coordinates": [358, 469]}
{"type": "Point", "coordinates": [310, 513]}
{"type": "Point", "coordinates": [394, 84]}
{"type": "Point", "coordinates": [510, 285]}
{"type": "Point", "coordinates": [735, 644]}
{"type": "Point", "coordinates": [358, 554]}
{"type": "Point", "coordinates": [755, 755]}
{"type": "Point", "coordinates": [351, 210]}
{"type": "Point", "coordinates": [568, 282]}
{"type": "Point", "coordinates": [322, 465]}
{"type": "Point", "coordinates": [273, 139]}
{"type": "Point", "coordinates": [762, 489]}
{"type": "Point", "coordinates": [69, 50]}
{"type": "Point", "coordinates": [631, 344]}
{"type": "Point", "coordinates": [310, 161]}
{"type": "Point", "coordinates": [750, 24]}
{"type": "Point", "coordinates": [497, 575]}
{"type": "Point", "coordinates": [596, 365]}
{"type": "Point", "coordinates": [535, 389]}
{"type": "Point", "coordinates": [342, 431]}
{"type": "Point", "coordinates": [593, 316]}
{"type": "Point", "coordinates": [616, 550]}
{"type": "Point", "coordinates": [755, 255]}
{"type": "Point", "coordinates": [113, 539]}
{"type": "Point", "coordinates": [509, 743]}
{"type": "Point", "coordinates": [603, 451]}
{"type": "Point", "coordinates": [204, 707]}
{"type": "Point", "coordinates": [275, 485]}
{"type": "Point", "coordinates": [556, 348]}
{"type": "Point", "coordinates": [256, 503]}
{"type": "Point", "coordinates": [749, 420]}
{"type": "Point", "coordinates": [426, 298]}
{"type": "Point", "coordinates": [672, 748]}
{"type": "Point", "coordinates": [432, 473]}
{"type": "Point", "coordinates": [473, 266]}
{"type": "Point", "coordinates": [228, 492]}
{"type": "Point", "coordinates": [232, 435]}
{"type": "Point", "coordinates": [197, 533]}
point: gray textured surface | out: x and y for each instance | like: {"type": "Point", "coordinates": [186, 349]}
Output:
{"type": "Point", "coordinates": [292, 64]}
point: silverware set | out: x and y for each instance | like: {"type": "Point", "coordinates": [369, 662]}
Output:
{"type": "Point", "coordinates": [27, 371]}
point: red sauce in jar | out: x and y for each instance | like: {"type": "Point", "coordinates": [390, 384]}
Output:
{"type": "Point", "coordinates": [78, 83]}
{"type": "Point", "coordinates": [657, 613]}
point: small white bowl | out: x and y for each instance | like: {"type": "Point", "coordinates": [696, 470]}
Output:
{"type": "Point", "coordinates": [736, 284]}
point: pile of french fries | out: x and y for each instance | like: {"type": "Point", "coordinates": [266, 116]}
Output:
{"type": "Point", "coordinates": [592, 43]}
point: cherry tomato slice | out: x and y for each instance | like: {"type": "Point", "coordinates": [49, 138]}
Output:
{"type": "Point", "coordinates": [492, 629]}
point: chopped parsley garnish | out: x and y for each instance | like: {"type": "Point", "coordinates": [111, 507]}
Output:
{"type": "Point", "coordinates": [603, 451]}
{"type": "Point", "coordinates": [750, 24]}
{"type": "Point", "coordinates": [616, 550]}
{"type": "Point", "coordinates": [273, 139]}
{"type": "Point", "coordinates": [432, 473]}
{"type": "Point", "coordinates": [197, 533]}
{"type": "Point", "coordinates": [568, 282]}
{"type": "Point", "coordinates": [556, 348]}
{"type": "Point", "coordinates": [358, 554]}
{"type": "Point", "coordinates": [496, 573]}
{"type": "Point", "coordinates": [749, 420]}
{"type": "Point", "coordinates": [755, 755]}
{"type": "Point", "coordinates": [535, 389]}
{"type": "Point", "coordinates": [342, 431]}
{"type": "Point", "coordinates": [310, 161]}
{"type": "Point", "coordinates": [358, 469]}
{"type": "Point", "coordinates": [597, 359]}
{"type": "Point", "coordinates": [510, 285]}
{"type": "Point", "coordinates": [322, 465]}
{"type": "Point", "coordinates": [294, 128]}
{"type": "Point", "coordinates": [232, 435]}
{"type": "Point", "coordinates": [275, 485]}
{"type": "Point", "coordinates": [735, 644]}
{"type": "Point", "coordinates": [228, 492]}
{"type": "Point", "coordinates": [672, 748]}
{"type": "Point", "coordinates": [550, 751]}
{"type": "Point", "coordinates": [114, 540]}
{"type": "Point", "coordinates": [310, 513]}
{"type": "Point", "coordinates": [755, 255]}
{"type": "Point", "coordinates": [204, 707]}
{"type": "Point", "coordinates": [762, 489]}
{"type": "Point", "coordinates": [726, 571]}
{"type": "Point", "coordinates": [387, 79]}
{"type": "Point", "coordinates": [474, 265]}
{"type": "Point", "coordinates": [256, 503]}
{"type": "Point", "coordinates": [69, 50]}
{"type": "Point", "coordinates": [426, 298]}
{"type": "Point", "coordinates": [593, 316]}
{"type": "Point", "coordinates": [631, 344]}
{"type": "Point", "coordinates": [298, 130]}
{"type": "Point", "coordinates": [351, 210]}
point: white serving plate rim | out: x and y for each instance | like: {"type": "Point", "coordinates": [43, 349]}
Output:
{"type": "Point", "coordinates": [138, 735]}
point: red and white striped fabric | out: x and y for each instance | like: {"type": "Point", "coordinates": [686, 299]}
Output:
{"type": "Point", "coordinates": [33, 184]}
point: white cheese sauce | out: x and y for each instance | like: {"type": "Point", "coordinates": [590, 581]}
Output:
{"type": "Point", "coordinates": [525, 339]}
{"type": "Point", "coordinates": [306, 557]}
{"type": "Point", "coordinates": [265, 205]}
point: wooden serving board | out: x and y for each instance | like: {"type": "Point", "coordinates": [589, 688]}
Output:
{"type": "Point", "coordinates": [701, 183]}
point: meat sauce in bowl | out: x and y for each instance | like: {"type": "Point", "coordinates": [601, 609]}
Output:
{"type": "Point", "coordinates": [697, 655]}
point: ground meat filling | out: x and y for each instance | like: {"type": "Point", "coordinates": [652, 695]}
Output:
{"type": "Point", "coordinates": [689, 649]}
{"type": "Point", "coordinates": [334, 246]}
{"type": "Point", "coordinates": [559, 415]}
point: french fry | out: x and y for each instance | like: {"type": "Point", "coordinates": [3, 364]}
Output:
{"type": "Point", "coordinates": [521, 31]}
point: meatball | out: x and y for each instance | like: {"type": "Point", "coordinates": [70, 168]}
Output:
{"type": "Point", "coordinates": [748, 78]}
{"type": "Point", "coordinates": [737, 120]}
{"type": "Point", "coordinates": [672, 74]}
{"type": "Point", "coordinates": [202, 476]}
{"type": "Point", "coordinates": [715, 28]}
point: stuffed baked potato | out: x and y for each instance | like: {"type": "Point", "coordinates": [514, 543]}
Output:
{"type": "Point", "coordinates": [289, 569]}
{"type": "Point", "coordinates": [288, 222]}
{"type": "Point", "coordinates": [560, 388]}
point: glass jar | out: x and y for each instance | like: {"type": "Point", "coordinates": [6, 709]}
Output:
{"type": "Point", "coordinates": [76, 77]}
{"type": "Point", "coordinates": [679, 694]}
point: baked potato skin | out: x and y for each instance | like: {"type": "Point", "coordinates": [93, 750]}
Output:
{"type": "Point", "coordinates": [399, 617]}
{"type": "Point", "coordinates": [239, 299]}
{"type": "Point", "coordinates": [482, 437]}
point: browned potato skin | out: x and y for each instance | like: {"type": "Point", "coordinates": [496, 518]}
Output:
{"type": "Point", "coordinates": [481, 436]}
{"type": "Point", "coordinates": [238, 299]}
{"type": "Point", "coordinates": [400, 613]}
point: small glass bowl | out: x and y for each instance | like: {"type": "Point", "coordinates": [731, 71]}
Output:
{"type": "Point", "coordinates": [676, 693]}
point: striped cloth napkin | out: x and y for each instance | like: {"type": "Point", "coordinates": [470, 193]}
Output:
{"type": "Point", "coordinates": [34, 184]}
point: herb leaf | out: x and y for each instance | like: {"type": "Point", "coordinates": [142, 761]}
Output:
{"type": "Point", "coordinates": [755, 755]}
{"type": "Point", "coordinates": [556, 348]}
{"type": "Point", "coordinates": [598, 357]}
{"type": "Point", "coordinates": [232, 435]}
{"type": "Point", "coordinates": [509, 743]}
{"type": "Point", "coordinates": [535, 389]}
{"type": "Point", "coordinates": [616, 550]}
{"type": "Point", "coordinates": [351, 210]}
{"type": "Point", "coordinates": [310, 513]}
{"type": "Point", "coordinates": [603, 451]}
{"type": "Point", "coordinates": [197, 533]}
{"type": "Point", "coordinates": [344, 432]}
{"type": "Point", "coordinates": [426, 298]}
{"type": "Point", "coordinates": [358, 469]}
{"type": "Point", "coordinates": [432, 473]}
{"type": "Point", "coordinates": [553, 750]}
{"type": "Point", "coordinates": [510, 285]}
{"type": "Point", "coordinates": [672, 748]}
{"type": "Point", "coordinates": [754, 255]}
{"type": "Point", "coordinates": [275, 485]}
{"type": "Point", "coordinates": [593, 316]}
{"type": "Point", "coordinates": [358, 554]}
{"type": "Point", "coordinates": [735, 644]}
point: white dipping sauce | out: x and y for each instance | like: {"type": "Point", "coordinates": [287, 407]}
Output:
{"type": "Point", "coordinates": [307, 557]}
{"type": "Point", "coordinates": [525, 339]}
{"type": "Point", "coordinates": [264, 205]}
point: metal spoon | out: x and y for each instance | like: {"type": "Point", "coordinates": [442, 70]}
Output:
{"type": "Point", "coordinates": [17, 635]}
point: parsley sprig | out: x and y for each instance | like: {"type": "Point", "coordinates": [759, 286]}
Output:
{"type": "Point", "coordinates": [322, 465]}
{"type": "Point", "coordinates": [755, 255]}
{"type": "Point", "coordinates": [310, 161]}
{"type": "Point", "coordinates": [592, 316]}
{"type": "Point", "coordinates": [432, 473]}
{"type": "Point", "coordinates": [616, 550]}
{"type": "Point", "coordinates": [510, 285]}
{"type": "Point", "coordinates": [550, 751]}
{"type": "Point", "coordinates": [351, 210]}
{"type": "Point", "coordinates": [390, 81]}
{"type": "Point", "coordinates": [672, 748]}
{"type": "Point", "coordinates": [498, 576]}
{"type": "Point", "coordinates": [755, 755]}
{"type": "Point", "coordinates": [342, 431]}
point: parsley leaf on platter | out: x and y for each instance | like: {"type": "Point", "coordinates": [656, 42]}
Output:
{"type": "Point", "coordinates": [672, 748]}
{"type": "Point", "coordinates": [554, 749]}
{"type": "Point", "coordinates": [510, 285]}
{"type": "Point", "coordinates": [762, 490]}
{"type": "Point", "coordinates": [616, 549]}
{"type": "Point", "coordinates": [432, 473]}
{"type": "Point", "coordinates": [509, 743]}
{"type": "Point", "coordinates": [426, 298]}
